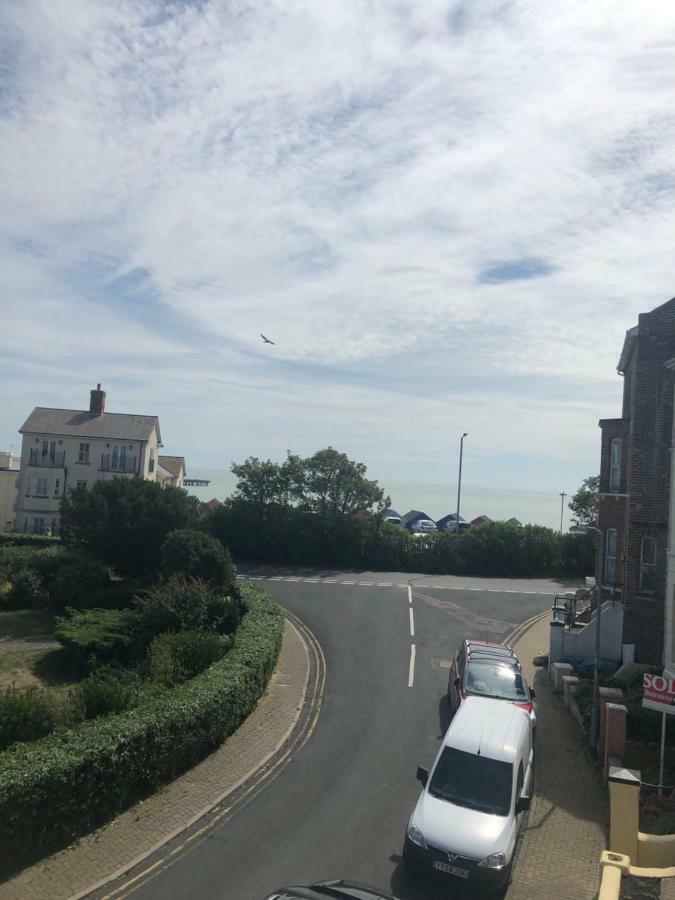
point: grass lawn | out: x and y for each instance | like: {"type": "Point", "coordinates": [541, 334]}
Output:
{"type": "Point", "coordinates": [28, 652]}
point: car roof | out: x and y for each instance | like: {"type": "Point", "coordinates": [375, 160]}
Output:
{"type": "Point", "coordinates": [492, 728]}
{"type": "Point", "coordinates": [489, 645]}
{"type": "Point", "coordinates": [509, 662]}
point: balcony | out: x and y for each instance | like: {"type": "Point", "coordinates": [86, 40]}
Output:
{"type": "Point", "coordinates": [47, 460]}
{"type": "Point", "coordinates": [119, 465]}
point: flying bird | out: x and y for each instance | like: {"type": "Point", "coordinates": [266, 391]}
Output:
{"type": "Point", "coordinates": [266, 339]}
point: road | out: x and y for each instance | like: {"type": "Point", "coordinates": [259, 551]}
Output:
{"type": "Point", "coordinates": [339, 809]}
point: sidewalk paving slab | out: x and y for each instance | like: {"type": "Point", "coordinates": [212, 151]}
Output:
{"type": "Point", "coordinates": [566, 829]}
{"type": "Point", "coordinates": [152, 822]}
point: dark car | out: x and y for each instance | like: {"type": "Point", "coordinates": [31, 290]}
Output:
{"type": "Point", "coordinates": [331, 890]}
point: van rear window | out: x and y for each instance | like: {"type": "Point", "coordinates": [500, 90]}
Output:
{"type": "Point", "coordinates": [476, 782]}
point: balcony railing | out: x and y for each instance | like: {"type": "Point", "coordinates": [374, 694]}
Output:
{"type": "Point", "coordinates": [49, 460]}
{"type": "Point", "coordinates": [124, 465]}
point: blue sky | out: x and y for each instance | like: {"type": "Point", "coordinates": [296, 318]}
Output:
{"type": "Point", "coordinates": [445, 214]}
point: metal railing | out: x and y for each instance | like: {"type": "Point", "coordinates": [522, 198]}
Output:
{"type": "Point", "coordinates": [123, 465]}
{"type": "Point", "coordinates": [49, 460]}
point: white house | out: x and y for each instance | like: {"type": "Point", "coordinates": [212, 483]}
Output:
{"type": "Point", "coordinates": [64, 449]}
{"type": "Point", "coordinates": [9, 484]}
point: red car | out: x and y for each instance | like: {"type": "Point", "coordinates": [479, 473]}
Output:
{"type": "Point", "coordinates": [485, 669]}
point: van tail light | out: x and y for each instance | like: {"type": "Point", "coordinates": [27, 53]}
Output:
{"type": "Point", "coordinates": [526, 706]}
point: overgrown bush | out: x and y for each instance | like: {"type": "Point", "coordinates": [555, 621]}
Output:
{"type": "Point", "coordinates": [195, 554]}
{"type": "Point", "coordinates": [18, 539]}
{"type": "Point", "coordinates": [175, 605]}
{"type": "Point", "coordinates": [55, 789]}
{"type": "Point", "coordinates": [175, 657]}
{"type": "Point", "coordinates": [106, 691]}
{"type": "Point", "coordinates": [118, 594]}
{"type": "Point", "coordinates": [26, 590]}
{"type": "Point", "coordinates": [96, 637]}
{"type": "Point", "coordinates": [25, 715]}
{"type": "Point", "coordinates": [76, 582]}
{"type": "Point", "coordinates": [222, 614]}
{"type": "Point", "coordinates": [16, 559]}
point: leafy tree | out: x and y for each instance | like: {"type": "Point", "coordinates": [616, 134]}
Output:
{"type": "Point", "coordinates": [585, 504]}
{"type": "Point", "coordinates": [124, 522]}
{"type": "Point", "coordinates": [329, 484]}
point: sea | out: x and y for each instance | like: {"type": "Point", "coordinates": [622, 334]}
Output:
{"type": "Point", "coordinates": [529, 507]}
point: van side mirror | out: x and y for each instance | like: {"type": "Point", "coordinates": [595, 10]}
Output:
{"type": "Point", "coordinates": [532, 694]}
{"type": "Point", "coordinates": [523, 804]}
{"type": "Point", "coordinates": [422, 775]}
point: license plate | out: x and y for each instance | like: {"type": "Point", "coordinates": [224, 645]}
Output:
{"type": "Point", "coordinates": [450, 870]}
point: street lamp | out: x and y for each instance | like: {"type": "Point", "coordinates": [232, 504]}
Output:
{"type": "Point", "coordinates": [562, 509]}
{"type": "Point", "coordinates": [459, 480]}
{"type": "Point", "coordinates": [595, 709]}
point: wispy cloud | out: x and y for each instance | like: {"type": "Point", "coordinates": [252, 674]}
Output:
{"type": "Point", "coordinates": [419, 202]}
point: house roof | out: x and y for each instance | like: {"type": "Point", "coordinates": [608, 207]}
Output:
{"type": "Point", "coordinates": [175, 464]}
{"type": "Point", "coordinates": [413, 514]}
{"type": "Point", "coordinates": [481, 520]}
{"type": "Point", "coordinates": [513, 521]}
{"type": "Point", "coordinates": [445, 520]}
{"type": "Point", "coordinates": [82, 423]}
{"type": "Point", "coordinates": [628, 346]}
{"type": "Point", "coordinates": [391, 512]}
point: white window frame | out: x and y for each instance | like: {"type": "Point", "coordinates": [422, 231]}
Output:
{"type": "Point", "coordinates": [81, 483]}
{"type": "Point", "coordinates": [611, 532]}
{"type": "Point", "coordinates": [615, 451]}
{"type": "Point", "coordinates": [647, 569]}
{"type": "Point", "coordinates": [83, 456]}
{"type": "Point", "coordinates": [42, 483]}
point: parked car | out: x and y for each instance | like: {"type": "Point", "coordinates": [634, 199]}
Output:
{"type": "Point", "coordinates": [393, 520]}
{"type": "Point", "coordinates": [465, 825]}
{"type": "Point", "coordinates": [331, 890]}
{"type": "Point", "coordinates": [481, 669]}
{"type": "Point", "coordinates": [424, 526]}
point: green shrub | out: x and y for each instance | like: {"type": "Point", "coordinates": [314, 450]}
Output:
{"type": "Point", "coordinates": [26, 590]}
{"type": "Point", "coordinates": [106, 691]}
{"type": "Point", "coordinates": [25, 715]}
{"type": "Point", "coordinates": [175, 657]}
{"type": "Point", "coordinates": [195, 554]}
{"type": "Point", "coordinates": [222, 614]}
{"type": "Point", "coordinates": [118, 594]}
{"type": "Point", "coordinates": [18, 539]}
{"type": "Point", "coordinates": [95, 637]}
{"type": "Point", "coordinates": [178, 604]}
{"type": "Point", "coordinates": [76, 582]}
{"type": "Point", "coordinates": [16, 559]}
{"type": "Point", "coordinates": [64, 785]}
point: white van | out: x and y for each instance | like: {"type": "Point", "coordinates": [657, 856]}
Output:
{"type": "Point", "coordinates": [465, 825]}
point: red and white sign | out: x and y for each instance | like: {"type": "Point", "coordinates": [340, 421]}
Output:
{"type": "Point", "coordinates": [658, 693]}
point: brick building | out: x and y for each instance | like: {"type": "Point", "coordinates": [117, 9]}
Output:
{"type": "Point", "coordinates": [635, 478]}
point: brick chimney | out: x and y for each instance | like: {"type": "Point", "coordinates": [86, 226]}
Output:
{"type": "Point", "coordinates": [97, 401]}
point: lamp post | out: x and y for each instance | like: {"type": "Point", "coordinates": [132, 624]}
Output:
{"type": "Point", "coordinates": [459, 480]}
{"type": "Point", "coordinates": [562, 508]}
{"type": "Point", "coordinates": [595, 709]}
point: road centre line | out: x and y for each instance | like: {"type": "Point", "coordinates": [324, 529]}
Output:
{"type": "Point", "coordinates": [367, 583]}
{"type": "Point", "coordinates": [412, 622]}
{"type": "Point", "coordinates": [347, 582]}
{"type": "Point", "coordinates": [411, 669]}
{"type": "Point", "coordinates": [384, 584]}
{"type": "Point", "coordinates": [409, 594]}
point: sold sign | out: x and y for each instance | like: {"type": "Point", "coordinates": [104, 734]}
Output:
{"type": "Point", "coordinates": [658, 693]}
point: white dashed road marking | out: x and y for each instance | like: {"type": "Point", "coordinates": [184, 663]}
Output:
{"type": "Point", "coordinates": [412, 622]}
{"type": "Point", "coordinates": [411, 669]}
{"type": "Point", "coordinates": [435, 587]}
{"type": "Point", "coordinates": [409, 594]}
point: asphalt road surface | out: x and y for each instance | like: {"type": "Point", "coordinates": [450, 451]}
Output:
{"type": "Point", "coordinates": [339, 809]}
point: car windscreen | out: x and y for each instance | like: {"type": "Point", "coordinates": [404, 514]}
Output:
{"type": "Point", "coordinates": [487, 679]}
{"type": "Point", "coordinates": [477, 782]}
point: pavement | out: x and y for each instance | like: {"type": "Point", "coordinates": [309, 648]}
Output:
{"type": "Point", "coordinates": [139, 831]}
{"type": "Point", "coordinates": [338, 804]}
{"type": "Point", "coordinates": [567, 826]}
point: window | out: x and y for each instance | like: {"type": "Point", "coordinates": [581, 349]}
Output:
{"type": "Point", "coordinates": [38, 526]}
{"type": "Point", "coordinates": [151, 467]}
{"type": "Point", "coordinates": [81, 485]}
{"type": "Point", "coordinates": [54, 524]}
{"type": "Point", "coordinates": [84, 453]}
{"type": "Point", "coordinates": [648, 565]}
{"type": "Point", "coordinates": [118, 459]}
{"type": "Point", "coordinates": [27, 487]}
{"type": "Point", "coordinates": [487, 679]}
{"type": "Point", "coordinates": [41, 489]}
{"type": "Point", "coordinates": [57, 485]}
{"type": "Point", "coordinates": [476, 782]}
{"type": "Point", "coordinates": [610, 556]}
{"type": "Point", "coordinates": [615, 467]}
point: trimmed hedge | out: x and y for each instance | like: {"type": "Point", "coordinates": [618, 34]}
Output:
{"type": "Point", "coordinates": [60, 787]}
{"type": "Point", "coordinates": [17, 539]}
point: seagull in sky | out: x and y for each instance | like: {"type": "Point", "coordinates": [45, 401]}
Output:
{"type": "Point", "coordinates": [266, 339]}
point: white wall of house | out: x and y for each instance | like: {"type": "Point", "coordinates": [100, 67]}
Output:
{"type": "Point", "coordinates": [51, 465]}
{"type": "Point", "coordinates": [9, 482]}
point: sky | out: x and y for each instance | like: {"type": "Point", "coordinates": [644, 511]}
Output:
{"type": "Point", "coordinates": [445, 214]}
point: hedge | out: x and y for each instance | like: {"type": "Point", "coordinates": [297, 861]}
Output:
{"type": "Point", "coordinates": [62, 786]}
{"type": "Point", "coordinates": [18, 539]}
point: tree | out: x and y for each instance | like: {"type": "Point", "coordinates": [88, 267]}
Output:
{"type": "Point", "coordinates": [198, 555]}
{"type": "Point", "coordinates": [124, 522]}
{"type": "Point", "coordinates": [329, 484]}
{"type": "Point", "coordinates": [585, 504]}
